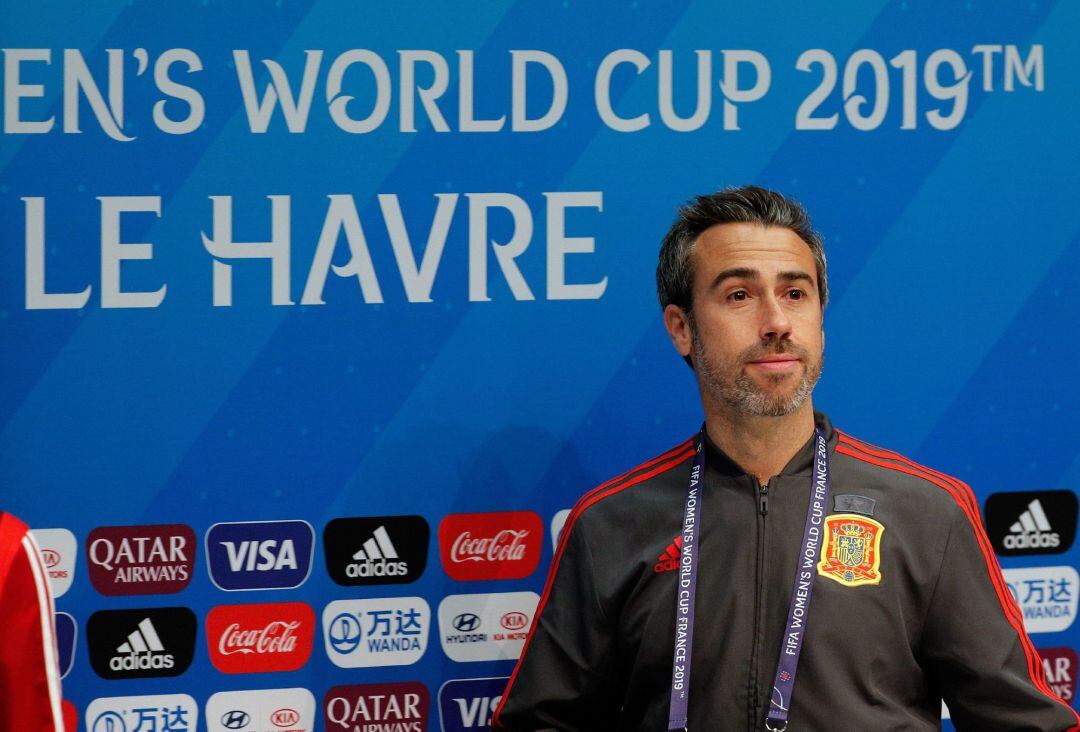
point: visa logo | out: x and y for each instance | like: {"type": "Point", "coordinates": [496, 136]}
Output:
{"type": "Point", "coordinates": [469, 704]}
{"type": "Point", "coordinates": [260, 555]}
{"type": "Point", "coordinates": [477, 711]}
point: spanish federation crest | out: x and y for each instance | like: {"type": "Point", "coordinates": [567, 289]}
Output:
{"type": "Point", "coordinates": [852, 551]}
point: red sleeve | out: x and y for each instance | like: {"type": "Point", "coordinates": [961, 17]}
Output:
{"type": "Point", "coordinates": [29, 669]}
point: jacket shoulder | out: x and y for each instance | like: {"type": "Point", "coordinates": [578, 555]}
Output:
{"type": "Point", "coordinates": [931, 488]}
{"type": "Point", "coordinates": [652, 484]}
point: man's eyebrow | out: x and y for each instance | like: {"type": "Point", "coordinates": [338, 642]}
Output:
{"type": "Point", "coordinates": [796, 275]}
{"type": "Point", "coordinates": [745, 273]}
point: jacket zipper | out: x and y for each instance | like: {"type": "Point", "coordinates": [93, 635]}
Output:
{"type": "Point", "coordinates": [763, 510]}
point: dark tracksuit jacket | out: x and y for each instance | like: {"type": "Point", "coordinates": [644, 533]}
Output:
{"type": "Point", "coordinates": [938, 623]}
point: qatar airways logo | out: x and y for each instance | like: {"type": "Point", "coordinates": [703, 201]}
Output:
{"type": "Point", "coordinates": [264, 637]}
{"type": "Point", "coordinates": [485, 546]}
{"type": "Point", "coordinates": [141, 560]}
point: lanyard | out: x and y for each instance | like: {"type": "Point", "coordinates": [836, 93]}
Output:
{"type": "Point", "coordinates": [798, 612]}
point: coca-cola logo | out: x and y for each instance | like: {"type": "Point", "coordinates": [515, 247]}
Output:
{"type": "Point", "coordinates": [276, 637]}
{"type": "Point", "coordinates": [485, 546]}
{"type": "Point", "coordinates": [506, 545]}
{"type": "Point", "coordinates": [263, 637]}
{"type": "Point", "coordinates": [285, 717]}
{"type": "Point", "coordinates": [51, 557]}
{"type": "Point", "coordinates": [514, 620]}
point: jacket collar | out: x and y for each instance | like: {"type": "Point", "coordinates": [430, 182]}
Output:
{"type": "Point", "coordinates": [802, 463]}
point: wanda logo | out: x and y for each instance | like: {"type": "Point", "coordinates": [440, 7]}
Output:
{"type": "Point", "coordinates": [51, 557]}
{"type": "Point", "coordinates": [264, 637]}
{"type": "Point", "coordinates": [285, 717]}
{"type": "Point", "coordinates": [484, 546]}
{"type": "Point", "coordinates": [514, 620]}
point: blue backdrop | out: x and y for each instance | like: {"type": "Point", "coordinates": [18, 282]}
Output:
{"type": "Point", "coordinates": [947, 199]}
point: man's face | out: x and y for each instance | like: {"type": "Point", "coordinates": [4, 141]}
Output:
{"type": "Point", "coordinates": [755, 332]}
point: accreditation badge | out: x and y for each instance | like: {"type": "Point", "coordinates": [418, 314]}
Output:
{"type": "Point", "coordinates": [852, 551]}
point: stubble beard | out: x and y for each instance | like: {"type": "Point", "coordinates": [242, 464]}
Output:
{"type": "Point", "coordinates": [730, 385]}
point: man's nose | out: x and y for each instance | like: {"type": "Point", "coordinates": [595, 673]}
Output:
{"type": "Point", "coordinates": [774, 320]}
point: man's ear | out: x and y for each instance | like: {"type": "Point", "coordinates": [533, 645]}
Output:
{"type": "Point", "coordinates": [677, 323]}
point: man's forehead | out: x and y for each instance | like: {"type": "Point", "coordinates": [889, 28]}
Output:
{"type": "Point", "coordinates": [765, 248]}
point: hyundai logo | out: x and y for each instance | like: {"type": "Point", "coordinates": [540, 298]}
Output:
{"type": "Point", "coordinates": [345, 633]}
{"type": "Point", "coordinates": [235, 719]}
{"type": "Point", "coordinates": [466, 622]}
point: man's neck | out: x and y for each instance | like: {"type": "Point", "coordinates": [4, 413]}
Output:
{"type": "Point", "coordinates": [762, 446]}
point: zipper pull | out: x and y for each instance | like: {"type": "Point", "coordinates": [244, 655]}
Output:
{"type": "Point", "coordinates": [763, 497]}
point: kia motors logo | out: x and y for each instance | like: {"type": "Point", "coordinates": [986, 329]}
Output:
{"type": "Point", "coordinates": [135, 644]}
{"type": "Point", "coordinates": [285, 717]}
{"type": "Point", "coordinates": [485, 546]}
{"type": "Point", "coordinates": [497, 626]}
{"type": "Point", "coordinates": [467, 705]}
{"type": "Point", "coordinates": [141, 560]}
{"type": "Point", "coordinates": [262, 710]}
{"type": "Point", "coordinates": [376, 550]}
{"type": "Point", "coordinates": [58, 549]}
{"type": "Point", "coordinates": [262, 637]}
{"type": "Point", "coordinates": [514, 621]}
{"type": "Point", "coordinates": [51, 557]}
{"type": "Point", "coordinates": [400, 707]}
{"type": "Point", "coordinates": [235, 719]}
{"type": "Point", "coordinates": [260, 555]}
{"type": "Point", "coordinates": [1031, 522]}
{"type": "Point", "coordinates": [177, 712]}
{"type": "Point", "coordinates": [466, 622]}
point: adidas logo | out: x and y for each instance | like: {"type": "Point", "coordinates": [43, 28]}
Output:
{"type": "Point", "coordinates": [1033, 530]}
{"type": "Point", "coordinates": [669, 560]}
{"type": "Point", "coordinates": [376, 558]}
{"type": "Point", "coordinates": [142, 650]}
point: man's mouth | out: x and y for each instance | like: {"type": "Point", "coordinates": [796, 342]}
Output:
{"type": "Point", "coordinates": [776, 363]}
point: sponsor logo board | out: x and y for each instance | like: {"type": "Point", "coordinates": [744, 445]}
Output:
{"type": "Point", "coordinates": [71, 716]}
{"type": "Point", "coordinates": [1031, 522]}
{"type": "Point", "coordinates": [488, 546]}
{"type": "Point", "coordinates": [486, 627]}
{"type": "Point", "coordinates": [259, 555]}
{"type": "Point", "coordinates": [557, 524]}
{"type": "Point", "coordinates": [376, 550]}
{"type": "Point", "coordinates": [135, 644]}
{"type": "Point", "coordinates": [262, 710]}
{"type": "Point", "coordinates": [400, 707]}
{"type": "Point", "coordinates": [391, 631]}
{"type": "Point", "coordinates": [1046, 595]}
{"type": "Point", "coordinates": [58, 553]}
{"type": "Point", "coordinates": [1060, 665]}
{"type": "Point", "coordinates": [468, 704]}
{"type": "Point", "coordinates": [260, 637]}
{"type": "Point", "coordinates": [173, 712]}
{"type": "Point", "coordinates": [140, 560]}
{"type": "Point", "coordinates": [66, 633]}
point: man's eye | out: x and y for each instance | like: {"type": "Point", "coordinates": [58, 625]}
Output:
{"type": "Point", "coordinates": [796, 294]}
{"type": "Point", "coordinates": [738, 295]}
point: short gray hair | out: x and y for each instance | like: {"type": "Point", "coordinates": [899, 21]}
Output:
{"type": "Point", "coordinates": [745, 204]}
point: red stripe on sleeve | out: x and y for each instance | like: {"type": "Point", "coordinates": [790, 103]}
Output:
{"type": "Point", "coordinates": [965, 498]}
{"type": "Point", "coordinates": [658, 465]}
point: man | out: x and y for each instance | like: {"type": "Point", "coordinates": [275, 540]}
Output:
{"type": "Point", "coordinates": [841, 586]}
{"type": "Point", "coordinates": [29, 670]}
